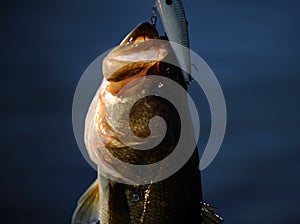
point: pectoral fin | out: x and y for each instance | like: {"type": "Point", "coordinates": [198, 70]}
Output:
{"type": "Point", "coordinates": [208, 214]}
{"type": "Point", "coordinates": [87, 210]}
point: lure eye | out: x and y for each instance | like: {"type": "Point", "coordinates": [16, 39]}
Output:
{"type": "Point", "coordinates": [169, 2]}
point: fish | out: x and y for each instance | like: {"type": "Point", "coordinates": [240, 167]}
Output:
{"type": "Point", "coordinates": [175, 199]}
{"type": "Point", "coordinates": [176, 27]}
{"type": "Point", "coordinates": [175, 24]}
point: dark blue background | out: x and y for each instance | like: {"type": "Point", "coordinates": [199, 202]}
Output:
{"type": "Point", "coordinates": [253, 48]}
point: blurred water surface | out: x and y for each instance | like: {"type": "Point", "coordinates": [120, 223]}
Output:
{"type": "Point", "coordinates": [253, 48]}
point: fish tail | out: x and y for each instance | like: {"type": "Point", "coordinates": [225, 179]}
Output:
{"type": "Point", "coordinates": [208, 214]}
{"type": "Point", "coordinates": [87, 210]}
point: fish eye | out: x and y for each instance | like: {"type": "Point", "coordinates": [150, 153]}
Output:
{"type": "Point", "coordinates": [169, 2]}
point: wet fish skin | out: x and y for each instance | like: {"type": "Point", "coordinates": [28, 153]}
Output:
{"type": "Point", "coordinates": [175, 25]}
{"type": "Point", "coordinates": [174, 199]}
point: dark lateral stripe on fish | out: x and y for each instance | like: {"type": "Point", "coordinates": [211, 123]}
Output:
{"type": "Point", "coordinates": [175, 198]}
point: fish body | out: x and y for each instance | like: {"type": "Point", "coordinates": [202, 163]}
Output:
{"type": "Point", "coordinates": [176, 27]}
{"type": "Point", "coordinates": [176, 199]}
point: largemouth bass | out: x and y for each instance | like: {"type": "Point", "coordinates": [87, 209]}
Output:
{"type": "Point", "coordinates": [176, 199]}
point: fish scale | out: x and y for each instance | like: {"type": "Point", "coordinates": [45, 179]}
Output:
{"type": "Point", "coordinates": [176, 199]}
{"type": "Point", "coordinates": [167, 200]}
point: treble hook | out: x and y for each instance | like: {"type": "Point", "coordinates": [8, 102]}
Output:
{"type": "Point", "coordinates": [154, 16]}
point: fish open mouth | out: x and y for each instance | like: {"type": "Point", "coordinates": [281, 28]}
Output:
{"type": "Point", "coordinates": [139, 50]}
{"type": "Point", "coordinates": [141, 32]}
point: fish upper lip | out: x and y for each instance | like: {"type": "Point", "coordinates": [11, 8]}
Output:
{"type": "Point", "coordinates": [140, 55]}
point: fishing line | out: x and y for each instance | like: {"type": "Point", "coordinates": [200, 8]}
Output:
{"type": "Point", "coordinates": [154, 15]}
